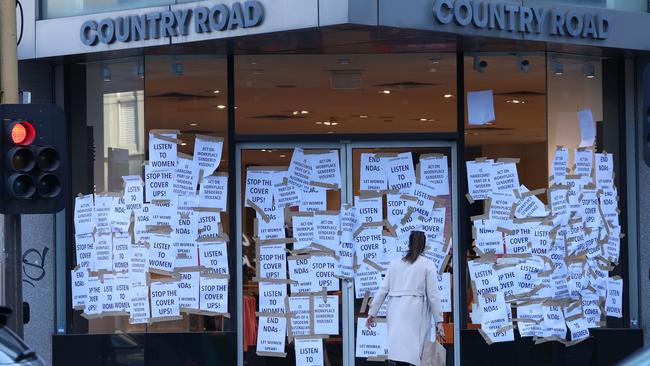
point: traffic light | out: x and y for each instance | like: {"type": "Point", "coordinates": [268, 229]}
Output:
{"type": "Point", "coordinates": [35, 168]}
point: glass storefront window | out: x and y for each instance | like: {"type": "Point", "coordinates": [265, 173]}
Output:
{"type": "Point", "coordinates": [127, 98]}
{"type": "Point", "coordinates": [345, 94]}
{"type": "Point", "coordinates": [66, 8]}
{"type": "Point", "coordinates": [628, 5]}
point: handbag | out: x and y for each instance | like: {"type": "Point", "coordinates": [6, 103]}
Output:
{"type": "Point", "coordinates": [434, 354]}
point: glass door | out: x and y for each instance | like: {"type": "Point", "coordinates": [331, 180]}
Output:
{"type": "Point", "coordinates": [426, 171]}
{"type": "Point", "coordinates": [271, 253]}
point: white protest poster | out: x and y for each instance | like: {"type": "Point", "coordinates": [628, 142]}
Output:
{"type": "Point", "coordinates": [300, 315]}
{"type": "Point", "coordinates": [309, 352]}
{"type": "Point", "coordinates": [369, 244]}
{"type": "Point", "coordinates": [479, 178]}
{"type": "Point", "coordinates": [604, 166]}
{"type": "Point", "coordinates": [367, 279]}
{"type": "Point", "coordinates": [560, 164]}
{"type": "Point", "coordinates": [591, 308]}
{"type": "Point", "coordinates": [425, 196]}
{"type": "Point", "coordinates": [103, 251]}
{"type": "Point", "coordinates": [313, 199]}
{"type": "Point", "coordinates": [84, 214]}
{"type": "Point", "coordinates": [103, 204]}
{"type": "Point", "coordinates": [529, 205]}
{"type": "Point", "coordinates": [589, 208]}
{"type": "Point", "coordinates": [326, 315]}
{"type": "Point", "coordinates": [345, 251]}
{"type": "Point", "coordinates": [271, 296]}
{"type": "Point", "coordinates": [495, 315]}
{"type": "Point", "coordinates": [501, 210]}
{"type": "Point", "coordinates": [434, 173]}
{"type": "Point", "coordinates": [163, 213]}
{"type": "Point", "coordinates": [400, 172]}
{"type": "Point", "coordinates": [121, 292]}
{"type": "Point", "coordinates": [614, 300]}
{"type": "Point", "coordinates": [209, 224]}
{"type": "Point", "coordinates": [587, 128]}
{"type": "Point", "coordinates": [214, 191]}
{"type": "Point", "coordinates": [480, 107]}
{"type": "Point", "coordinates": [162, 149]}
{"type": "Point", "coordinates": [213, 257]}
{"type": "Point", "coordinates": [584, 163]}
{"type": "Point", "coordinates": [300, 169]}
{"type": "Point", "coordinates": [162, 254]}
{"type": "Point", "coordinates": [85, 251]}
{"type": "Point", "coordinates": [484, 277]}
{"type": "Point", "coordinates": [532, 313]}
{"type": "Point", "coordinates": [93, 303]}
{"type": "Point", "coordinates": [444, 289]}
{"type": "Point", "coordinates": [517, 241]}
{"type": "Point", "coordinates": [371, 173]}
{"type": "Point", "coordinates": [185, 231]}
{"type": "Point", "coordinates": [396, 208]}
{"type": "Point", "coordinates": [106, 294]}
{"type": "Point", "coordinates": [274, 228]}
{"type": "Point", "coordinates": [326, 229]}
{"type": "Point", "coordinates": [164, 300]}
{"type": "Point", "coordinates": [271, 336]}
{"type": "Point", "coordinates": [438, 254]}
{"type": "Point", "coordinates": [323, 269]}
{"type": "Point", "coordinates": [119, 217]}
{"type": "Point", "coordinates": [389, 243]}
{"type": "Point", "coordinates": [133, 192]}
{"type": "Point", "coordinates": [348, 222]}
{"type": "Point", "coordinates": [368, 209]}
{"type": "Point", "coordinates": [553, 323]}
{"type": "Point", "coordinates": [371, 342]}
{"type": "Point", "coordinates": [504, 177]}
{"type": "Point", "coordinates": [299, 271]}
{"type": "Point", "coordinates": [214, 295]}
{"type": "Point", "coordinates": [121, 251]}
{"type": "Point", "coordinates": [559, 204]}
{"type": "Point", "coordinates": [158, 183]}
{"type": "Point", "coordinates": [188, 291]}
{"type": "Point", "coordinates": [259, 188]}
{"type": "Point", "coordinates": [302, 229]}
{"type": "Point", "coordinates": [488, 240]}
{"type": "Point", "coordinates": [79, 287]}
{"type": "Point", "coordinates": [326, 169]}
{"type": "Point", "coordinates": [138, 263]}
{"type": "Point", "coordinates": [272, 261]}
{"type": "Point", "coordinates": [286, 195]}
{"type": "Point", "coordinates": [139, 312]}
{"type": "Point", "coordinates": [207, 153]}
{"type": "Point", "coordinates": [185, 177]}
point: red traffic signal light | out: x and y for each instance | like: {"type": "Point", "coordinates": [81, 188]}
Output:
{"type": "Point", "coordinates": [22, 133]}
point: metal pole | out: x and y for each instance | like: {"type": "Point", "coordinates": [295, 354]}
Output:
{"type": "Point", "coordinates": [12, 292]}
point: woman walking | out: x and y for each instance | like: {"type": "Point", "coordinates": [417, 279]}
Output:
{"type": "Point", "coordinates": [412, 289]}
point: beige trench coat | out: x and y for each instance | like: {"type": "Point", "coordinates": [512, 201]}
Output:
{"type": "Point", "coordinates": [413, 300]}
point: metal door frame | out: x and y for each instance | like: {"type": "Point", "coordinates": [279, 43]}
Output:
{"type": "Point", "coordinates": [346, 286]}
{"type": "Point", "coordinates": [457, 260]}
{"type": "Point", "coordinates": [347, 196]}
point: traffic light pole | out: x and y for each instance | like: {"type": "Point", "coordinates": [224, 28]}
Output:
{"type": "Point", "coordinates": [12, 291]}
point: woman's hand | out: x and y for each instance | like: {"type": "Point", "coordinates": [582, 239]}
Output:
{"type": "Point", "coordinates": [440, 331]}
{"type": "Point", "coordinates": [370, 322]}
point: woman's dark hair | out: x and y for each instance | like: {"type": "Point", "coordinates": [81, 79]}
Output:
{"type": "Point", "coordinates": [417, 243]}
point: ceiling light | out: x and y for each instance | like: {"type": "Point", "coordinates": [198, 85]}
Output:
{"type": "Point", "coordinates": [447, 96]}
{"type": "Point", "coordinates": [283, 156]}
{"type": "Point", "coordinates": [319, 123]}
{"type": "Point", "coordinates": [475, 134]}
{"type": "Point", "coordinates": [221, 106]}
{"type": "Point", "coordinates": [516, 101]}
{"type": "Point", "coordinates": [557, 66]}
{"type": "Point", "coordinates": [589, 70]}
{"type": "Point", "coordinates": [435, 60]}
{"type": "Point", "coordinates": [295, 113]}
{"type": "Point", "coordinates": [327, 123]}
{"type": "Point", "coordinates": [363, 116]}
{"type": "Point", "coordinates": [264, 150]}
{"type": "Point", "coordinates": [183, 143]}
{"type": "Point", "coordinates": [106, 73]}
{"type": "Point", "coordinates": [330, 131]}
{"type": "Point", "coordinates": [385, 91]}
{"type": "Point", "coordinates": [304, 112]}
{"type": "Point", "coordinates": [193, 124]}
{"type": "Point", "coordinates": [423, 119]}
{"type": "Point", "coordinates": [216, 92]}
{"type": "Point", "coordinates": [334, 123]}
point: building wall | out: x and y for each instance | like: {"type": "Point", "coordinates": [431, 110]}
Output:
{"type": "Point", "coordinates": [38, 237]}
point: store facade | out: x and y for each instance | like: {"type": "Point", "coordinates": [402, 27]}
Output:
{"type": "Point", "coordinates": [357, 78]}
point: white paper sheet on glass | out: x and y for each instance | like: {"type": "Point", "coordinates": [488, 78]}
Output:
{"type": "Point", "coordinates": [480, 107]}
